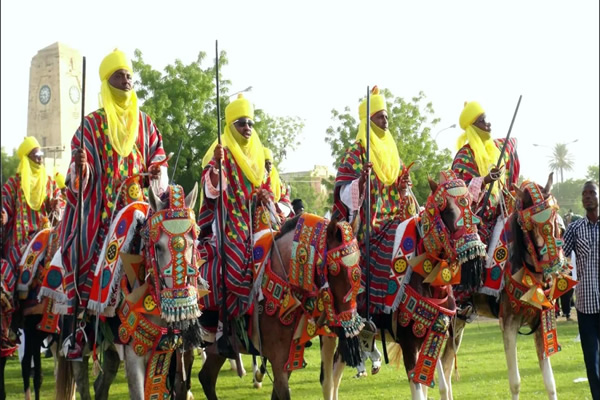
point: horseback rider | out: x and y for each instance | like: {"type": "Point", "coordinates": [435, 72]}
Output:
{"type": "Point", "coordinates": [243, 172]}
{"type": "Point", "coordinates": [475, 163]}
{"type": "Point", "coordinates": [28, 198]}
{"type": "Point", "coordinates": [277, 187]}
{"type": "Point", "coordinates": [120, 141]}
{"type": "Point", "coordinates": [390, 200]}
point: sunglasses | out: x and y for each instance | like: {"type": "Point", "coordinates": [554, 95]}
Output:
{"type": "Point", "coordinates": [244, 122]}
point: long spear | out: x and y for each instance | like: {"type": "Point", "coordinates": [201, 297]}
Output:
{"type": "Point", "coordinates": [176, 162]}
{"type": "Point", "coordinates": [368, 208]}
{"type": "Point", "coordinates": [489, 191]}
{"type": "Point", "coordinates": [223, 344]}
{"type": "Point", "coordinates": [79, 210]}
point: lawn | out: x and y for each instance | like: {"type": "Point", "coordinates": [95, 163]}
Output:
{"type": "Point", "coordinates": [482, 368]}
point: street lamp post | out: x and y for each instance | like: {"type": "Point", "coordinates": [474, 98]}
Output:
{"type": "Point", "coordinates": [442, 130]}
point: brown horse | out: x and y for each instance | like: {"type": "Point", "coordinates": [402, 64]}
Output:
{"type": "Point", "coordinates": [424, 304]}
{"type": "Point", "coordinates": [535, 229]}
{"type": "Point", "coordinates": [337, 281]}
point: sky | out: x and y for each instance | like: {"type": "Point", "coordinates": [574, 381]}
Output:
{"type": "Point", "coordinates": [305, 58]}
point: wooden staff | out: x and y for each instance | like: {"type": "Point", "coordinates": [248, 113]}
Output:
{"type": "Point", "coordinates": [489, 191]}
{"type": "Point", "coordinates": [223, 344]}
{"type": "Point", "coordinates": [368, 208]}
{"type": "Point", "coordinates": [79, 211]}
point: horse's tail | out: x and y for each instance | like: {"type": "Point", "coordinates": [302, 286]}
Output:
{"type": "Point", "coordinates": [65, 379]}
{"type": "Point", "coordinates": [395, 353]}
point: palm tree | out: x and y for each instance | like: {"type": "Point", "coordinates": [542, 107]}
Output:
{"type": "Point", "coordinates": [561, 160]}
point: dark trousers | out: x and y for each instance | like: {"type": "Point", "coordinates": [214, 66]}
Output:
{"type": "Point", "coordinates": [589, 331]}
{"type": "Point", "coordinates": [565, 303]}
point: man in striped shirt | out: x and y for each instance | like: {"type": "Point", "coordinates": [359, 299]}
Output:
{"type": "Point", "coordinates": [582, 237]}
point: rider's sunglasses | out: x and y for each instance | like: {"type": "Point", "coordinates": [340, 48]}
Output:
{"type": "Point", "coordinates": [244, 122]}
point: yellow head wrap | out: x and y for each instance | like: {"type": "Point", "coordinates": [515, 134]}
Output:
{"type": "Point", "coordinates": [121, 107]}
{"type": "Point", "coordinates": [484, 149]}
{"type": "Point", "coordinates": [249, 156]}
{"type": "Point", "coordinates": [274, 175]}
{"type": "Point", "coordinates": [60, 180]}
{"type": "Point", "coordinates": [383, 150]}
{"type": "Point", "coordinates": [33, 177]}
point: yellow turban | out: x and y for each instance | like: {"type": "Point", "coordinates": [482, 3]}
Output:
{"type": "Point", "coordinates": [470, 113]}
{"type": "Point", "coordinates": [377, 104]}
{"type": "Point", "coordinates": [113, 62]}
{"type": "Point", "coordinates": [60, 180]}
{"type": "Point", "coordinates": [274, 175]}
{"type": "Point", "coordinates": [383, 152]}
{"type": "Point", "coordinates": [33, 177]}
{"type": "Point", "coordinates": [249, 156]}
{"type": "Point", "coordinates": [121, 107]}
{"type": "Point", "coordinates": [238, 108]}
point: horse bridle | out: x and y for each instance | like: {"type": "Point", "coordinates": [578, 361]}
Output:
{"type": "Point", "coordinates": [541, 217]}
{"type": "Point", "coordinates": [462, 245]}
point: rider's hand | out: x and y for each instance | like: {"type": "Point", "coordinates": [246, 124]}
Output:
{"type": "Point", "coordinates": [80, 158]}
{"type": "Point", "coordinates": [263, 196]}
{"type": "Point", "coordinates": [4, 217]}
{"type": "Point", "coordinates": [494, 175]}
{"type": "Point", "coordinates": [364, 174]}
{"type": "Point", "coordinates": [218, 154]}
{"type": "Point", "coordinates": [154, 171]}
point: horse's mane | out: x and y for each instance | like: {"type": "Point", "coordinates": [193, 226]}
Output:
{"type": "Point", "coordinates": [287, 226]}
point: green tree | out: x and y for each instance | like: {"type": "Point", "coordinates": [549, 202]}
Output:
{"type": "Point", "coordinates": [568, 196]}
{"type": "Point", "coordinates": [9, 164]}
{"type": "Point", "coordinates": [182, 102]}
{"type": "Point", "coordinates": [593, 173]}
{"type": "Point", "coordinates": [561, 160]}
{"type": "Point", "coordinates": [314, 201]}
{"type": "Point", "coordinates": [410, 124]}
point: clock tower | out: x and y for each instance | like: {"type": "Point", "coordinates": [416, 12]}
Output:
{"type": "Point", "coordinates": [55, 102]}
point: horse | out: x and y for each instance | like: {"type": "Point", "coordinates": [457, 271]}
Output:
{"type": "Point", "coordinates": [39, 321]}
{"type": "Point", "coordinates": [432, 251]}
{"type": "Point", "coordinates": [323, 301]}
{"type": "Point", "coordinates": [530, 243]}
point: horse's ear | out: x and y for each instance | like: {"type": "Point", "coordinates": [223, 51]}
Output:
{"type": "Point", "coordinates": [190, 199]}
{"type": "Point", "coordinates": [332, 228]}
{"type": "Point", "coordinates": [155, 203]}
{"type": "Point", "coordinates": [432, 184]}
{"type": "Point", "coordinates": [520, 193]}
{"type": "Point", "coordinates": [549, 183]}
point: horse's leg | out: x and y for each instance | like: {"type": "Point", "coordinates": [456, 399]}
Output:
{"type": "Point", "coordinates": [410, 348]}
{"type": "Point", "coordinates": [545, 366]}
{"type": "Point", "coordinates": [510, 325]}
{"type": "Point", "coordinates": [82, 380]}
{"type": "Point", "coordinates": [327, 354]}
{"type": "Point", "coordinates": [281, 388]}
{"type": "Point", "coordinates": [209, 373]}
{"type": "Point", "coordinates": [135, 370]}
{"type": "Point", "coordinates": [188, 361]}
{"type": "Point", "coordinates": [442, 383]}
{"type": "Point", "coordinates": [338, 371]}
{"type": "Point", "coordinates": [110, 367]}
{"type": "Point", "coordinates": [449, 356]}
{"type": "Point", "coordinates": [2, 366]}
{"type": "Point", "coordinates": [183, 367]}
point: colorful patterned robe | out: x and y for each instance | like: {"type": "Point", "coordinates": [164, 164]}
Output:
{"type": "Point", "coordinates": [107, 169]}
{"type": "Point", "coordinates": [465, 167]}
{"type": "Point", "coordinates": [239, 206]}
{"type": "Point", "coordinates": [388, 210]}
{"type": "Point", "coordinates": [23, 222]}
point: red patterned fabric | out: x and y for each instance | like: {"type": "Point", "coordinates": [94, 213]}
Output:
{"type": "Point", "coordinates": [465, 167]}
{"type": "Point", "coordinates": [239, 206]}
{"type": "Point", "coordinates": [23, 222]}
{"type": "Point", "coordinates": [106, 171]}
{"type": "Point", "coordinates": [388, 210]}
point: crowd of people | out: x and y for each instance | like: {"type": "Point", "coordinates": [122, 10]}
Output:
{"type": "Point", "coordinates": [119, 141]}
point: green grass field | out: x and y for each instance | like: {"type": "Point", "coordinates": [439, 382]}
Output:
{"type": "Point", "coordinates": [482, 368]}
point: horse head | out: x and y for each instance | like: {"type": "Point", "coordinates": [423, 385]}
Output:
{"type": "Point", "coordinates": [170, 235]}
{"type": "Point", "coordinates": [538, 229]}
{"type": "Point", "coordinates": [449, 229]}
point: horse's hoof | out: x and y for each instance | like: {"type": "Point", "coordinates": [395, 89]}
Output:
{"type": "Point", "coordinates": [257, 385]}
{"type": "Point", "coordinates": [190, 396]}
{"type": "Point", "coordinates": [258, 376]}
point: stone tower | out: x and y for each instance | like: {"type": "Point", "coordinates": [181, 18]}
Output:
{"type": "Point", "coordinates": [55, 102]}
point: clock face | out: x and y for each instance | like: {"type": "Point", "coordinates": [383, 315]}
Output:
{"type": "Point", "coordinates": [45, 94]}
{"type": "Point", "coordinates": [74, 94]}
